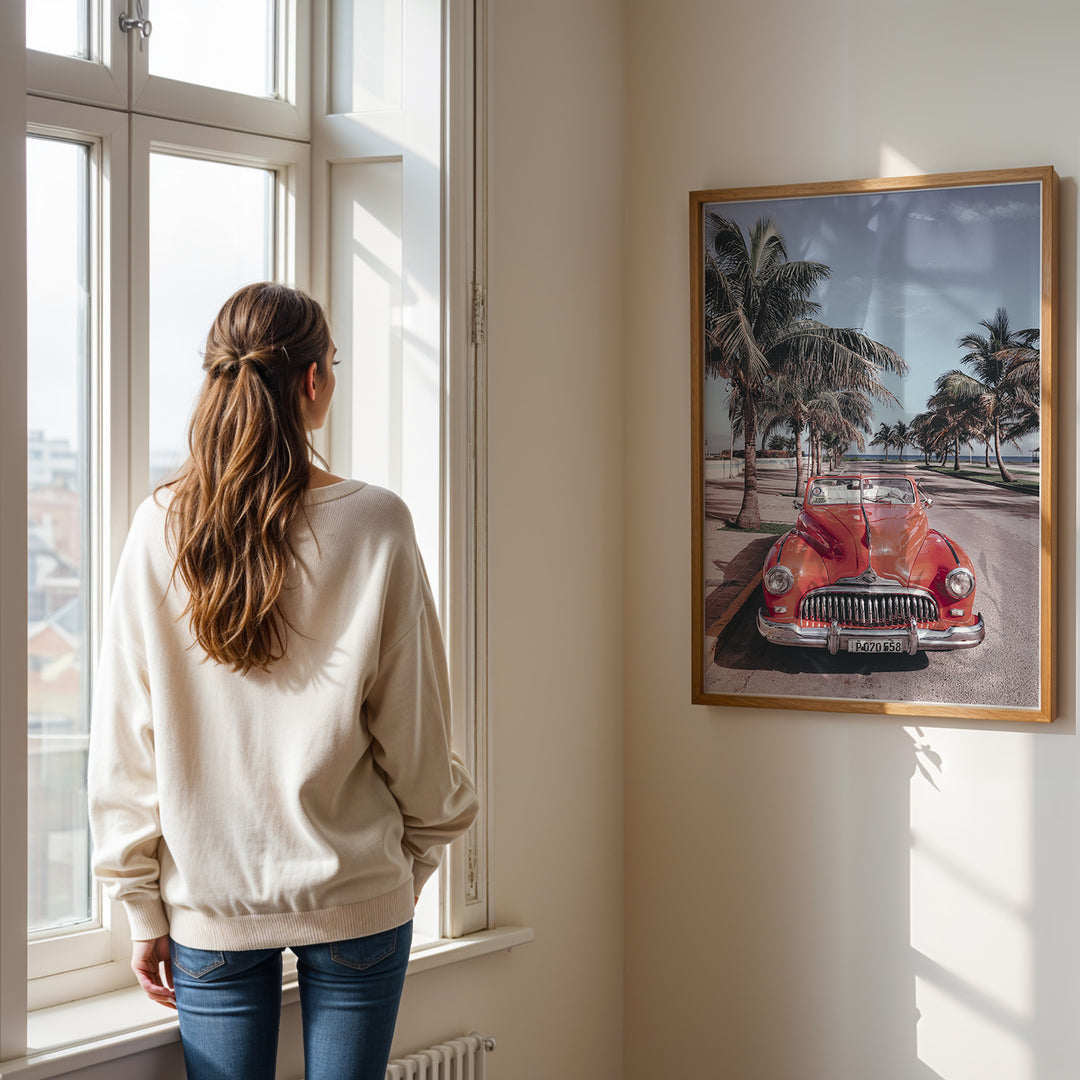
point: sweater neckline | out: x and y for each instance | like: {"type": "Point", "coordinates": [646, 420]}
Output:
{"type": "Point", "coordinates": [329, 492]}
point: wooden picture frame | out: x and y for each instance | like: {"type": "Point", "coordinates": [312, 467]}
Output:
{"type": "Point", "coordinates": [862, 329]}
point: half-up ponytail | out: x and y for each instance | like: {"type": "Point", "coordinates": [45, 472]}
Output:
{"type": "Point", "coordinates": [236, 500]}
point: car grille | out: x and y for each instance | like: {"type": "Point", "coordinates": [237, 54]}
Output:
{"type": "Point", "coordinates": [854, 609]}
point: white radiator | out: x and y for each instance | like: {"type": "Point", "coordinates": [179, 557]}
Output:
{"type": "Point", "coordinates": [457, 1059]}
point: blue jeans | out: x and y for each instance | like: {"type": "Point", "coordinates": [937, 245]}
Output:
{"type": "Point", "coordinates": [230, 1007]}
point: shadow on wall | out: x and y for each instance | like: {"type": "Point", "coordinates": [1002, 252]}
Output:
{"type": "Point", "coordinates": [896, 909]}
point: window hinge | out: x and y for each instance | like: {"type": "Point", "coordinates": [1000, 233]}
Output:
{"type": "Point", "coordinates": [473, 871]}
{"type": "Point", "coordinates": [479, 313]}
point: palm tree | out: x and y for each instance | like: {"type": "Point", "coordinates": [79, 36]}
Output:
{"type": "Point", "coordinates": [783, 443]}
{"type": "Point", "coordinates": [954, 423]}
{"type": "Point", "coordinates": [1023, 370]}
{"type": "Point", "coordinates": [835, 446]}
{"type": "Point", "coordinates": [926, 433]}
{"type": "Point", "coordinates": [809, 396]}
{"type": "Point", "coordinates": [759, 325]}
{"type": "Point", "coordinates": [883, 437]}
{"type": "Point", "coordinates": [837, 372]}
{"type": "Point", "coordinates": [998, 387]}
{"type": "Point", "coordinates": [752, 294]}
{"type": "Point", "coordinates": [1024, 376]}
{"type": "Point", "coordinates": [836, 419]}
{"type": "Point", "coordinates": [901, 436]}
{"type": "Point", "coordinates": [783, 405]}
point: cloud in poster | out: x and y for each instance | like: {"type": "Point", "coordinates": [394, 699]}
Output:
{"type": "Point", "coordinates": [978, 213]}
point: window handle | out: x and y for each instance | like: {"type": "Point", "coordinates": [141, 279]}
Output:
{"type": "Point", "coordinates": [142, 24]}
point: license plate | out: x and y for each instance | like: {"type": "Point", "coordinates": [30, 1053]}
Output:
{"type": "Point", "coordinates": [863, 645]}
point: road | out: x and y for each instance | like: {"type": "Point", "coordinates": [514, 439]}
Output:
{"type": "Point", "coordinates": [999, 530]}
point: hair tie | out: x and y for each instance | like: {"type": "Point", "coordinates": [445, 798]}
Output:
{"type": "Point", "coordinates": [231, 364]}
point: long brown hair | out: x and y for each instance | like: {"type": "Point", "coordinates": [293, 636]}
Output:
{"type": "Point", "coordinates": [238, 495]}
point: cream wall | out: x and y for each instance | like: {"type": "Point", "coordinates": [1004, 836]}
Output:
{"type": "Point", "coordinates": [555, 403]}
{"type": "Point", "coordinates": [800, 901]}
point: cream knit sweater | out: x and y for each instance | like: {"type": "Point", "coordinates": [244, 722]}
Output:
{"type": "Point", "coordinates": [303, 805]}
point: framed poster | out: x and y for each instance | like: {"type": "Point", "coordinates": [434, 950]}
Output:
{"type": "Point", "coordinates": [872, 445]}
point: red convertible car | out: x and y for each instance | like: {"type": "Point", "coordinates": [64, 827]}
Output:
{"type": "Point", "coordinates": [863, 571]}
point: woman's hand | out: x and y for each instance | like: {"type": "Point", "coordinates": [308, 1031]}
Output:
{"type": "Point", "coordinates": [153, 968]}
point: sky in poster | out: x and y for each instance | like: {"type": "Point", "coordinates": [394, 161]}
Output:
{"type": "Point", "coordinates": [914, 270]}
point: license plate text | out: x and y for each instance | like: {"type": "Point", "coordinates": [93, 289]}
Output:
{"type": "Point", "coordinates": [863, 646]}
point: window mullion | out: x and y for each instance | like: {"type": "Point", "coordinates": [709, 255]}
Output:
{"type": "Point", "coordinates": [137, 317]}
{"type": "Point", "coordinates": [465, 449]}
{"type": "Point", "coordinates": [13, 547]}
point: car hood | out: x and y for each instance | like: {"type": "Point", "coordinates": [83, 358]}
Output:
{"type": "Point", "coordinates": [851, 538]}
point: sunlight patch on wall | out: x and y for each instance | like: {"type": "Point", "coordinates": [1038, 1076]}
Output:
{"type": "Point", "coordinates": [971, 901]}
{"type": "Point", "coordinates": [962, 1043]}
{"type": "Point", "coordinates": [893, 163]}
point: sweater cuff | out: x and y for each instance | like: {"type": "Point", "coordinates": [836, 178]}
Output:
{"type": "Point", "coordinates": [146, 919]}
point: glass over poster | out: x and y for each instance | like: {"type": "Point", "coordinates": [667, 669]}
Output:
{"type": "Point", "coordinates": [872, 450]}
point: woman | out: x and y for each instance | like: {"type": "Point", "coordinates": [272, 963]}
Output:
{"type": "Point", "coordinates": [270, 763]}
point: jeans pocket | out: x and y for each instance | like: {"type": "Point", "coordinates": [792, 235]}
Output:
{"type": "Point", "coordinates": [364, 952]}
{"type": "Point", "coordinates": [195, 962]}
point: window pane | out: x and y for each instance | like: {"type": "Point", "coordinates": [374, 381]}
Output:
{"type": "Point", "coordinates": [211, 231]}
{"type": "Point", "coordinates": [58, 26]}
{"type": "Point", "coordinates": [228, 46]}
{"type": "Point", "coordinates": [58, 502]}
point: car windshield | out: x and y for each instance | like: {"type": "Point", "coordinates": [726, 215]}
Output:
{"type": "Point", "coordinates": [849, 490]}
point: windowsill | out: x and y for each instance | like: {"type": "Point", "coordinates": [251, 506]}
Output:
{"type": "Point", "coordinates": [83, 1033]}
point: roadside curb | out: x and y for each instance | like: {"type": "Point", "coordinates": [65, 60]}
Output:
{"type": "Point", "coordinates": [744, 569]}
{"type": "Point", "coordinates": [985, 481]}
{"type": "Point", "coordinates": [735, 609]}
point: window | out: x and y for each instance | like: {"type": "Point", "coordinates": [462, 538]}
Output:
{"type": "Point", "coordinates": [239, 53]}
{"type": "Point", "coordinates": [72, 228]}
{"type": "Point", "coordinates": [197, 207]}
{"type": "Point", "coordinates": [142, 155]}
{"type": "Point", "coordinates": [58, 226]}
{"type": "Point", "coordinates": [63, 29]}
{"type": "Point", "coordinates": [127, 256]}
{"type": "Point", "coordinates": [397, 283]}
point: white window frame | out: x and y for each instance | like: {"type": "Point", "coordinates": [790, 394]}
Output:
{"type": "Point", "coordinates": [94, 960]}
{"type": "Point", "coordinates": [469, 907]}
{"type": "Point", "coordinates": [106, 133]}
{"type": "Point", "coordinates": [13, 457]}
{"type": "Point", "coordinates": [104, 84]}
{"type": "Point", "coordinates": [375, 136]}
{"type": "Point", "coordinates": [287, 116]}
{"type": "Point", "coordinates": [116, 75]}
{"type": "Point", "coordinates": [101, 79]}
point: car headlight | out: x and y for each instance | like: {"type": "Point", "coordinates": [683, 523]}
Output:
{"type": "Point", "coordinates": [778, 580]}
{"type": "Point", "coordinates": [960, 582]}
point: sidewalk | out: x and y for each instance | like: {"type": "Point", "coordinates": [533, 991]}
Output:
{"type": "Point", "coordinates": [736, 559]}
{"type": "Point", "coordinates": [733, 559]}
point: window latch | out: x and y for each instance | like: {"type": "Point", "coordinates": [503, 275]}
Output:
{"type": "Point", "coordinates": [142, 24]}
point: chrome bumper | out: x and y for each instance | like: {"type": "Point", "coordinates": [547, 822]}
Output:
{"type": "Point", "coordinates": [835, 637]}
